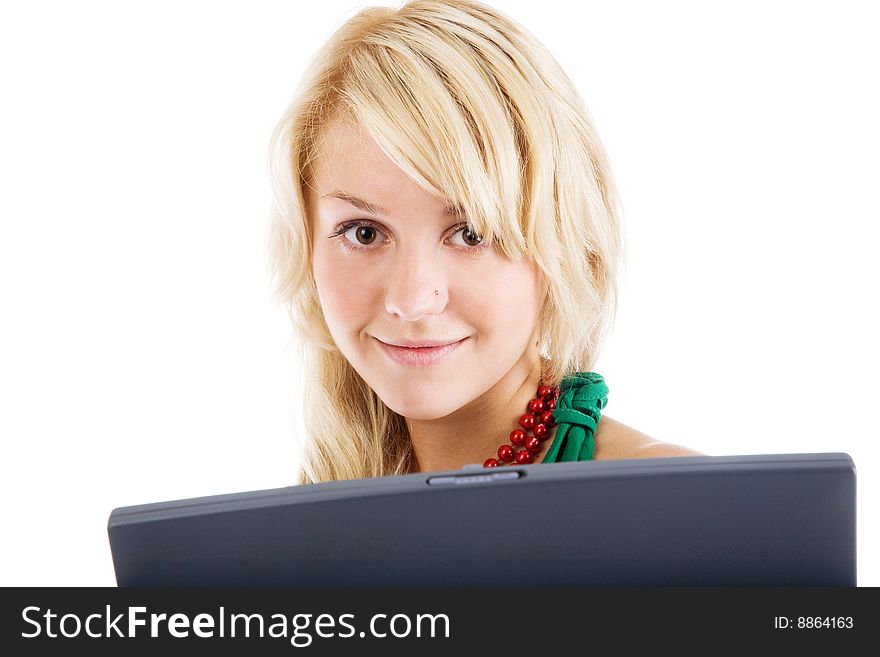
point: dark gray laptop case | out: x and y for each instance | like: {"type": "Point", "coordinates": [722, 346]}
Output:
{"type": "Point", "coordinates": [755, 520]}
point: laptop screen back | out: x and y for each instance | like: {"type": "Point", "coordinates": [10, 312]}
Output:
{"type": "Point", "coordinates": [754, 520]}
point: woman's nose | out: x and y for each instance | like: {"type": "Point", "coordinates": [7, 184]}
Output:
{"type": "Point", "coordinates": [416, 285]}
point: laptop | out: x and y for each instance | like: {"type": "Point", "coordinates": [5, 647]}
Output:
{"type": "Point", "coordinates": [750, 520]}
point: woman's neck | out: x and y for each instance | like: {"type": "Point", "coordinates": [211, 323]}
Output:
{"type": "Point", "coordinates": [474, 432]}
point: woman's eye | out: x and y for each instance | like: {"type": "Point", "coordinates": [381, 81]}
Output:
{"type": "Point", "coordinates": [362, 234]}
{"type": "Point", "coordinates": [469, 237]}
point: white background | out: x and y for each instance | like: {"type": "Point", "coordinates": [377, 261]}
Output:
{"type": "Point", "coordinates": [141, 358]}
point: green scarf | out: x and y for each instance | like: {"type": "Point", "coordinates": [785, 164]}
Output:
{"type": "Point", "coordinates": [582, 396]}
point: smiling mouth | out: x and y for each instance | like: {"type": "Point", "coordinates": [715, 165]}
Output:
{"type": "Point", "coordinates": [425, 344]}
{"type": "Point", "coordinates": [419, 356]}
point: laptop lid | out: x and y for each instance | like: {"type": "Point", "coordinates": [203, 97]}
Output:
{"type": "Point", "coordinates": [751, 520]}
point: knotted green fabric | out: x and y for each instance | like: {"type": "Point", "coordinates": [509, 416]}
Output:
{"type": "Point", "coordinates": [582, 396]}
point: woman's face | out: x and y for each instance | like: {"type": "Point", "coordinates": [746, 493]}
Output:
{"type": "Point", "coordinates": [394, 265]}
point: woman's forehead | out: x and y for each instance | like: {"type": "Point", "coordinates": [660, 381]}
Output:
{"type": "Point", "coordinates": [351, 168]}
{"type": "Point", "coordinates": [342, 137]}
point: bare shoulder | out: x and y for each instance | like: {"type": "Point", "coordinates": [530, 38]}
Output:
{"type": "Point", "coordinates": [615, 440]}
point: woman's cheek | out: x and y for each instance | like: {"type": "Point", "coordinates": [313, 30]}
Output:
{"type": "Point", "coordinates": [346, 289]}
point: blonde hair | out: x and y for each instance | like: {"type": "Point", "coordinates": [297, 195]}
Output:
{"type": "Point", "coordinates": [473, 109]}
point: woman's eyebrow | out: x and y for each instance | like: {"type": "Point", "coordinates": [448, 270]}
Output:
{"type": "Point", "coordinates": [372, 208]}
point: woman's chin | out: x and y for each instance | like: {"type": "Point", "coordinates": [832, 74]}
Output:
{"type": "Point", "coordinates": [421, 403]}
{"type": "Point", "coordinates": [419, 411]}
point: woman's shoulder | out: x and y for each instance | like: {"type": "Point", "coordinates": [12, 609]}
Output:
{"type": "Point", "coordinates": [615, 440]}
{"type": "Point", "coordinates": [587, 392]}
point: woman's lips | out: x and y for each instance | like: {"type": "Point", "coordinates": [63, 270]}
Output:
{"type": "Point", "coordinates": [419, 356]}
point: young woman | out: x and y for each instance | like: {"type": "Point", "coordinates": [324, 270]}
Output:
{"type": "Point", "coordinates": [446, 235]}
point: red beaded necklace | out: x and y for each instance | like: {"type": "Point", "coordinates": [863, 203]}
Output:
{"type": "Point", "coordinates": [539, 420]}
